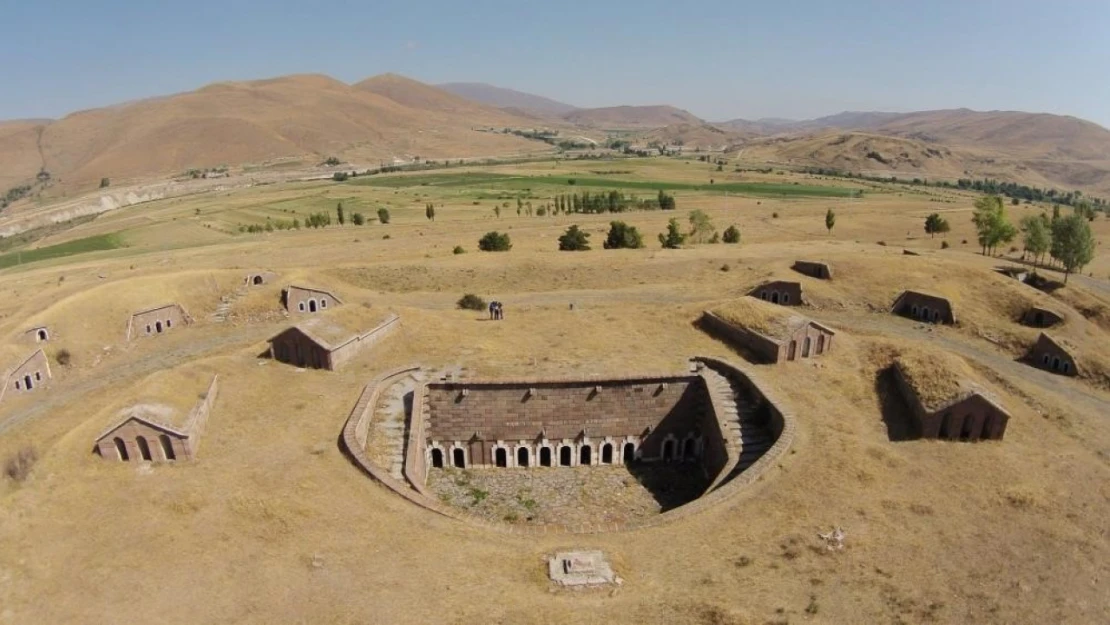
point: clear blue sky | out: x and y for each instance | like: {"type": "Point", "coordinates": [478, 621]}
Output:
{"type": "Point", "coordinates": [720, 60]}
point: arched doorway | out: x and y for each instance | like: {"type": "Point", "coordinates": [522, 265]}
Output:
{"type": "Point", "coordinates": [458, 457]}
{"type": "Point", "coordinates": [167, 447]}
{"type": "Point", "coordinates": [925, 313]}
{"type": "Point", "coordinates": [28, 384]}
{"type": "Point", "coordinates": [158, 327]}
{"type": "Point", "coordinates": [501, 457]}
{"type": "Point", "coordinates": [144, 449]}
{"type": "Point", "coordinates": [668, 450]}
{"type": "Point", "coordinates": [121, 448]}
{"type": "Point", "coordinates": [820, 343]}
{"type": "Point", "coordinates": [690, 449]}
{"type": "Point", "coordinates": [545, 456]}
{"type": "Point", "coordinates": [42, 334]}
{"type": "Point", "coordinates": [522, 457]}
{"type": "Point", "coordinates": [793, 351]}
{"type": "Point", "coordinates": [1055, 364]}
{"type": "Point", "coordinates": [775, 297]}
{"type": "Point", "coordinates": [437, 458]}
{"type": "Point", "coordinates": [968, 429]}
{"type": "Point", "coordinates": [629, 452]}
{"type": "Point", "coordinates": [607, 453]}
{"type": "Point", "coordinates": [1038, 320]}
{"type": "Point", "coordinates": [585, 454]}
{"type": "Point", "coordinates": [311, 305]}
{"type": "Point", "coordinates": [257, 280]}
{"type": "Point", "coordinates": [566, 456]}
{"type": "Point", "coordinates": [805, 347]}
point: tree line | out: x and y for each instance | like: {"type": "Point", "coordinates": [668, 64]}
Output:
{"type": "Point", "coordinates": [1067, 239]}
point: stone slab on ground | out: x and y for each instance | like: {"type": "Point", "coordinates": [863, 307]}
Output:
{"type": "Point", "coordinates": [581, 568]}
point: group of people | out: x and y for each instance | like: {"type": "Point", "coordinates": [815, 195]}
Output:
{"type": "Point", "coordinates": [496, 311]}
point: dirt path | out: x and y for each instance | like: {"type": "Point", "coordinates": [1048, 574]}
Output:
{"type": "Point", "coordinates": [168, 359]}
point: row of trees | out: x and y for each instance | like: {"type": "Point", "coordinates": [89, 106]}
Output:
{"type": "Point", "coordinates": [1067, 239]}
{"type": "Point", "coordinates": [608, 202]}
{"type": "Point", "coordinates": [624, 236]}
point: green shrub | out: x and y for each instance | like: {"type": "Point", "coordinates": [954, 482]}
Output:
{"type": "Point", "coordinates": [458, 250]}
{"type": "Point", "coordinates": [623, 236]}
{"type": "Point", "coordinates": [383, 215]}
{"type": "Point", "coordinates": [63, 357]}
{"type": "Point", "coordinates": [732, 235]}
{"type": "Point", "coordinates": [358, 219]}
{"type": "Point", "coordinates": [471, 301]}
{"type": "Point", "coordinates": [673, 238]}
{"type": "Point", "coordinates": [944, 245]}
{"type": "Point", "coordinates": [495, 242]}
{"type": "Point", "coordinates": [574, 240]}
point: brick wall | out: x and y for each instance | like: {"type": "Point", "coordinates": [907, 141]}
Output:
{"type": "Point", "coordinates": [147, 323]}
{"type": "Point", "coordinates": [295, 297]}
{"type": "Point", "coordinates": [342, 354]}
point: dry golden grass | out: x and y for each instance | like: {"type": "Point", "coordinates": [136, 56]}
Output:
{"type": "Point", "coordinates": [767, 319]}
{"type": "Point", "coordinates": [273, 524]}
{"type": "Point", "coordinates": [938, 378]}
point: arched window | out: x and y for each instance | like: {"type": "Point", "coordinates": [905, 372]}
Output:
{"type": "Point", "coordinates": [148, 328]}
{"type": "Point", "coordinates": [916, 310]}
{"type": "Point", "coordinates": [566, 456]}
{"type": "Point", "coordinates": [785, 298]}
{"type": "Point", "coordinates": [324, 303]}
{"type": "Point", "coordinates": [1065, 367]}
{"type": "Point", "coordinates": [18, 385]}
{"type": "Point", "coordinates": [121, 448]}
{"type": "Point", "coordinates": [167, 447]}
{"type": "Point", "coordinates": [668, 450]}
{"type": "Point", "coordinates": [1056, 363]}
{"type": "Point", "coordinates": [690, 449]}
{"type": "Point", "coordinates": [545, 456]}
{"type": "Point", "coordinates": [437, 458]}
{"type": "Point", "coordinates": [300, 306]}
{"type": "Point", "coordinates": [42, 335]}
{"type": "Point", "coordinates": [458, 458]}
{"type": "Point", "coordinates": [936, 316]}
{"type": "Point", "coordinates": [522, 459]}
{"type": "Point", "coordinates": [144, 449]}
{"type": "Point", "coordinates": [169, 323]}
{"type": "Point", "coordinates": [585, 455]}
{"type": "Point", "coordinates": [607, 453]}
{"type": "Point", "coordinates": [1045, 359]}
{"type": "Point", "coordinates": [925, 313]}
{"type": "Point", "coordinates": [629, 452]}
{"type": "Point", "coordinates": [501, 457]}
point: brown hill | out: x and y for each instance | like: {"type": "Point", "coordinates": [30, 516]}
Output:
{"type": "Point", "coordinates": [19, 153]}
{"type": "Point", "coordinates": [631, 117]}
{"type": "Point", "coordinates": [417, 95]}
{"type": "Point", "coordinates": [309, 116]}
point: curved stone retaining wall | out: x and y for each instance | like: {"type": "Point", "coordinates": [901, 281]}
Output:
{"type": "Point", "coordinates": [354, 440]}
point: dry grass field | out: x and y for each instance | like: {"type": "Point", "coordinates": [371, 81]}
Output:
{"type": "Point", "coordinates": [272, 524]}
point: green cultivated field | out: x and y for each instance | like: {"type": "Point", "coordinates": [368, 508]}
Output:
{"type": "Point", "coordinates": [70, 248]}
{"type": "Point", "coordinates": [509, 182]}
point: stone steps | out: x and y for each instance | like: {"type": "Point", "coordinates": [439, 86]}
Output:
{"type": "Point", "coordinates": [742, 420]}
{"type": "Point", "coordinates": [389, 425]}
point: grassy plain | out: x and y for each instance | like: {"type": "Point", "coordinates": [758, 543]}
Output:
{"type": "Point", "coordinates": [274, 525]}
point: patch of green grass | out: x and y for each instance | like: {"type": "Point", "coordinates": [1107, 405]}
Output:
{"type": "Point", "coordinates": [504, 181]}
{"type": "Point", "coordinates": [70, 248]}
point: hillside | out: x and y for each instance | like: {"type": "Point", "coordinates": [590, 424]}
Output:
{"type": "Point", "coordinates": [417, 95]}
{"type": "Point", "coordinates": [306, 116]}
{"type": "Point", "coordinates": [508, 98]}
{"type": "Point", "coordinates": [631, 117]}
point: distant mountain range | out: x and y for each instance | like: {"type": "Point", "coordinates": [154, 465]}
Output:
{"type": "Point", "coordinates": [308, 118]}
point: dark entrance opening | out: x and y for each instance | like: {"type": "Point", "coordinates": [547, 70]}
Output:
{"type": "Point", "coordinates": [585, 455]}
{"type": "Point", "coordinates": [158, 327]}
{"type": "Point", "coordinates": [42, 335]}
{"type": "Point", "coordinates": [311, 305]}
{"type": "Point", "coordinates": [501, 457]}
{"type": "Point", "coordinates": [27, 383]}
{"type": "Point", "coordinates": [257, 280]}
{"type": "Point", "coordinates": [522, 457]}
{"type": "Point", "coordinates": [167, 447]}
{"type": "Point", "coordinates": [458, 456]}
{"type": "Point", "coordinates": [945, 426]}
{"type": "Point", "coordinates": [1038, 320]}
{"type": "Point", "coordinates": [1056, 363]}
{"type": "Point", "coordinates": [820, 343]}
{"type": "Point", "coordinates": [121, 448]}
{"type": "Point", "coordinates": [689, 449]}
{"type": "Point", "coordinates": [805, 347]}
{"type": "Point", "coordinates": [606, 454]}
{"type": "Point", "coordinates": [565, 456]}
{"type": "Point", "coordinates": [793, 350]}
{"type": "Point", "coordinates": [437, 458]}
{"type": "Point", "coordinates": [545, 456]}
{"type": "Point", "coordinates": [144, 449]}
{"type": "Point", "coordinates": [668, 450]}
{"type": "Point", "coordinates": [774, 298]}
{"type": "Point", "coordinates": [966, 430]}
{"type": "Point", "coordinates": [629, 453]}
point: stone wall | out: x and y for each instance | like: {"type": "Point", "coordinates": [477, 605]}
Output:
{"type": "Point", "coordinates": [921, 305]}
{"type": "Point", "coordinates": [971, 418]}
{"type": "Point", "coordinates": [306, 300]}
{"type": "Point", "coordinates": [485, 415]}
{"type": "Point", "coordinates": [354, 443]}
{"type": "Point", "coordinates": [197, 420]}
{"type": "Point", "coordinates": [157, 321]}
{"type": "Point", "coordinates": [342, 354]}
{"type": "Point", "coordinates": [813, 269]}
{"type": "Point", "coordinates": [31, 375]}
{"type": "Point", "coordinates": [757, 345]}
{"type": "Point", "coordinates": [161, 446]}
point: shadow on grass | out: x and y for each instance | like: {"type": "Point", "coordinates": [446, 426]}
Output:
{"type": "Point", "coordinates": [896, 413]}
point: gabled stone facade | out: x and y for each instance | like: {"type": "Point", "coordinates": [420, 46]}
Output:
{"type": "Point", "coordinates": [28, 376]}
{"type": "Point", "coordinates": [299, 299]}
{"type": "Point", "coordinates": [149, 433]}
{"type": "Point", "coordinates": [970, 414]}
{"type": "Point", "coordinates": [1041, 317]}
{"type": "Point", "coordinates": [1053, 355]}
{"type": "Point", "coordinates": [813, 269]}
{"type": "Point", "coordinates": [793, 339]}
{"type": "Point", "coordinates": [157, 321]}
{"type": "Point", "coordinates": [924, 307]}
{"type": "Point", "coordinates": [781, 292]}
{"type": "Point", "coordinates": [321, 343]}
